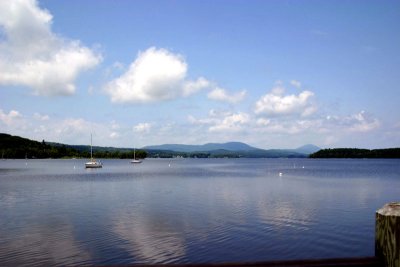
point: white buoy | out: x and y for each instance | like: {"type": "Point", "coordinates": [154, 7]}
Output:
{"type": "Point", "coordinates": [280, 174]}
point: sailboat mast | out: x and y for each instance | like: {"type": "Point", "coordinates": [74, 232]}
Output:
{"type": "Point", "coordinates": [91, 149]}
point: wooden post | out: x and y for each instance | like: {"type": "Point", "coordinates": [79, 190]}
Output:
{"type": "Point", "coordinates": [387, 234]}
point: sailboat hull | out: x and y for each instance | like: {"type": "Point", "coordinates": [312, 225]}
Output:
{"type": "Point", "coordinates": [93, 165]}
{"type": "Point", "coordinates": [135, 161]}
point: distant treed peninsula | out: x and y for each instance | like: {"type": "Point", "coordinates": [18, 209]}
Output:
{"type": "Point", "coordinates": [15, 147]}
{"type": "Point", "coordinates": [357, 153]}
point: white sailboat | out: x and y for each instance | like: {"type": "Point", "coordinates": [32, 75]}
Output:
{"type": "Point", "coordinates": [135, 161]}
{"type": "Point", "coordinates": [92, 163]}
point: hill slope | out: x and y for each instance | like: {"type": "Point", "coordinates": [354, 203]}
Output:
{"type": "Point", "coordinates": [307, 149]}
{"type": "Point", "coordinates": [17, 148]}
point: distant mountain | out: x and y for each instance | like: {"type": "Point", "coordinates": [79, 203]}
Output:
{"type": "Point", "coordinates": [230, 146]}
{"type": "Point", "coordinates": [230, 150]}
{"type": "Point", "coordinates": [17, 147]}
{"type": "Point", "coordinates": [235, 147]}
{"type": "Point", "coordinates": [222, 153]}
{"type": "Point", "coordinates": [308, 149]}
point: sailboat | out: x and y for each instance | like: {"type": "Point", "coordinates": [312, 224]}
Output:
{"type": "Point", "coordinates": [92, 163]}
{"type": "Point", "coordinates": [134, 161]}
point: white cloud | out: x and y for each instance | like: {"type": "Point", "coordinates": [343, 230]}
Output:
{"type": "Point", "coordinates": [40, 117]}
{"type": "Point", "coordinates": [76, 131]}
{"type": "Point", "coordinates": [203, 121]}
{"type": "Point", "coordinates": [115, 125]}
{"type": "Point", "coordinates": [287, 126]}
{"type": "Point", "coordinates": [32, 55]}
{"type": "Point", "coordinates": [9, 118]}
{"type": "Point", "coordinates": [67, 130]}
{"type": "Point", "coordinates": [155, 75]}
{"type": "Point", "coordinates": [114, 135]}
{"type": "Point", "coordinates": [295, 83]}
{"type": "Point", "coordinates": [363, 122]}
{"type": "Point", "coordinates": [232, 122]}
{"type": "Point", "coordinates": [191, 87]}
{"type": "Point", "coordinates": [276, 103]}
{"type": "Point", "coordinates": [263, 122]}
{"type": "Point", "coordinates": [143, 127]}
{"type": "Point", "coordinates": [359, 122]}
{"type": "Point", "coordinates": [221, 95]}
{"type": "Point", "coordinates": [222, 121]}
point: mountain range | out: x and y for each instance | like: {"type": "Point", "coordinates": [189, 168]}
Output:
{"type": "Point", "coordinates": [19, 147]}
{"type": "Point", "coordinates": [229, 149]}
{"type": "Point", "coordinates": [230, 146]}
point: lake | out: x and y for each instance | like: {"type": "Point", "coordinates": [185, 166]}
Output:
{"type": "Point", "coordinates": [56, 212]}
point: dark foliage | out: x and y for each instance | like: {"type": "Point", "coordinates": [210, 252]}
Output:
{"type": "Point", "coordinates": [16, 147]}
{"type": "Point", "coordinates": [357, 153]}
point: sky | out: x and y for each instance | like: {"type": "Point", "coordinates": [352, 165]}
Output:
{"type": "Point", "coordinates": [271, 73]}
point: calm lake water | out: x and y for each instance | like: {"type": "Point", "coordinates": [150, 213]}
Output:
{"type": "Point", "coordinates": [55, 212]}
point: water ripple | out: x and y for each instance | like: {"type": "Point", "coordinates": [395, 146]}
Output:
{"type": "Point", "coordinates": [194, 211]}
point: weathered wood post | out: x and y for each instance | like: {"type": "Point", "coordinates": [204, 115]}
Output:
{"type": "Point", "coordinates": [387, 234]}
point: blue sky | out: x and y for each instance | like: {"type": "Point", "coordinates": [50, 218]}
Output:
{"type": "Point", "coordinates": [273, 74]}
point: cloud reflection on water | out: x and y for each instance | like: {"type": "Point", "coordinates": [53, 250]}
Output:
{"type": "Point", "coordinates": [149, 238]}
{"type": "Point", "coordinates": [51, 242]}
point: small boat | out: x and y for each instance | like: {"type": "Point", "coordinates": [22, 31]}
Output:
{"type": "Point", "coordinates": [135, 161]}
{"type": "Point", "coordinates": [92, 163]}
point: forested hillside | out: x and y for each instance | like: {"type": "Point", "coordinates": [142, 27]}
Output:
{"type": "Point", "coordinates": [357, 153]}
{"type": "Point", "coordinates": [16, 147]}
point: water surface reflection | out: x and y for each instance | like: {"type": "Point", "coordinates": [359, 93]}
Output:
{"type": "Point", "coordinates": [54, 212]}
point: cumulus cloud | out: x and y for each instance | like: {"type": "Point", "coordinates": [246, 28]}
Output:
{"type": "Point", "coordinates": [68, 130]}
{"type": "Point", "coordinates": [276, 103]}
{"type": "Point", "coordinates": [143, 127]}
{"type": "Point", "coordinates": [222, 121]}
{"type": "Point", "coordinates": [220, 94]}
{"type": "Point", "coordinates": [40, 117]}
{"type": "Point", "coordinates": [363, 122]}
{"type": "Point", "coordinates": [72, 131]}
{"type": "Point", "coordinates": [114, 135]}
{"type": "Point", "coordinates": [295, 83]}
{"type": "Point", "coordinates": [291, 127]}
{"type": "Point", "coordinates": [359, 122]}
{"type": "Point", "coordinates": [191, 87]}
{"type": "Point", "coordinates": [10, 117]}
{"type": "Point", "coordinates": [263, 122]}
{"type": "Point", "coordinates": [32, 55]}
{"type": "Point", "coordinates": [115, 125]}
{"type": "Point", "coordinates": [232, 122]}
{"type": "Point", "coordinates": [155, 75]}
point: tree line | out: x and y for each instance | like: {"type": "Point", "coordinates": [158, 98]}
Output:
{"type": "Point", "coordinates": [16, 147]}
{"type": "Point", "coordinates": [357, 153]}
